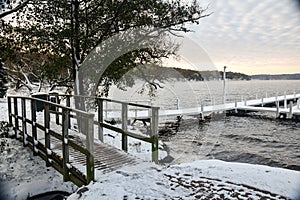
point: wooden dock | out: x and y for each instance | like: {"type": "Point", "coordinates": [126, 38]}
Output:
{"type": "Point", "coordinates": [41, 135]}
{"type": "Point", "coordinates": [75, 153]}
{"type": "Point", "coordinates": [254, 105]}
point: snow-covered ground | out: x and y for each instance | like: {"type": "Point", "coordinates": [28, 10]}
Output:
{"type": "Point", "coordinates": [21, 175]}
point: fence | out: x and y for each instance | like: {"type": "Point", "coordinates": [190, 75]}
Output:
{"type": "Point", "coordinates": [41, 134]}
{"type": "Point", "coordinates": [126, 107]}
{"type": "Point", "coordinates": [153, 118]}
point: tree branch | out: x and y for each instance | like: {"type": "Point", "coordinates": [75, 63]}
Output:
{"type": "Point", "coordinates": [15, 9]}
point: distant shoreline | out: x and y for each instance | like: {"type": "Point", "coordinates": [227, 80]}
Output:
{"type": "Point", "coordinates": [276, 77]}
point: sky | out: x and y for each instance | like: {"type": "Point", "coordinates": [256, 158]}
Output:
{"type": "Point", "coordinates": [248, 36]}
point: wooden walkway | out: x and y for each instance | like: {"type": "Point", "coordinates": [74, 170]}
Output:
{"type": "Point", "coordinates": [250, 105]}
{"type": "Point", "coordinates": [106, 158]}
{"type": "Point", "coordinates": [75, 153]}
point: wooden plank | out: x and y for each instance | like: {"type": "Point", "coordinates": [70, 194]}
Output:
{"type": "Point", "coordinates": [47, 128]}
{"type": "Point", "coordinates": [9, 114]}
{"type": "Point", "coordinates": [90, 147]}
{"type": "Point", "coordinates": [78, 148]}
{"type": "Point", "coordinates": [24, 125]}
{"type": "Point", "coordinates": [133, 135]}
{"type": "Point", "coordinates": [65, 147]}
{"type": "Point", "coordinates": [100, 119]}
{"type": "Point", "coordinates": [33, 125]}
{"type": "Point", "coordinates": [124, 126]}
{"type": "Point", "coordinates": [154, 134]}
{"type": "Point", "coordinates": [16, 117]}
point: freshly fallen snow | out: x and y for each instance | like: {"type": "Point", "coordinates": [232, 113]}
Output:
{"type": "Point", "coordinates": [23, 175]}
{"type": "Point", "coordinates": [200, 179]}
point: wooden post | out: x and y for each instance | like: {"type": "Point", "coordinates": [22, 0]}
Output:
{"type": "Point", "coordinates": [16, 117]}
{"type": "Point", "coordinates": [202, 109]}
{"type": "Point", "coordinates": [33, 125]}
{"type": "Point", "coordinates": [124, 125]}
{"type": "Point", "coordinates": [68, 104]}
{"type": "Point", "coordinates": [298, 104]}
{"type": "Point", "coordinates": [47, 133]}
{"type": "Point", "coordinates": [57, 109]}
{"type": "Point", "coordinates": [285, 100]}
{"type": "Point", "coordinates": [100, 119]}
{"type": "Point", "coordinates": [154, 134]}
{"type": "Point", "coordinates": [262, 102]}
{"type": "Point", "coordinates": [24, 126]}
{"type": "Point", "coordinates": [90, 147]}
{"type": "Point", "coordinates": [106, 109]}
{"type": "Point", "coordinates": [235, 106]}
{"type": "Point", "coordinates": [224, 85]}
{"type": "Point", "coordinates": [277, 109]}
{"type": "Point", "coordinates": [65, 147]}
{"type": "Point", "coordinates": [291, 110]}
{"type": "Point", "coordinates": [9, 114]}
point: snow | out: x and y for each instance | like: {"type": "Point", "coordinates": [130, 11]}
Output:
{"type": "Point", "coordinates": [22, 174]}
{"type": "Point", "coordinates": [214, 178]}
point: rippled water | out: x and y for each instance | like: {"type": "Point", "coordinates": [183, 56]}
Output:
{"type": "Point", "coordinates": [257, 139]}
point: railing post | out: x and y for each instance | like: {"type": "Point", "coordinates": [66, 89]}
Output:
{"type": "Point", "coordinates": [285, 100]}
{"type": "Point", "coordinates": [65, 147]}
{"type": "Point", "coordinates": [124, 125]}
{"type": "Point", "coordinates": [68, 104]}
{"type": "Point", "coordinates": [202, 109]}
{"type": "Point", "coordinates": [47, 133]}
{"type": "Point", "coordinates": [9, 114]}
{"type": "Point", "coordinates": [90, 147]}
{"type": "Point", "coordinates": [24, 126]}
{"type": "Point", "coordinates": [262, 102]}
{"type": "Point", "coordinates": [291, 110]}
{"type": "Point", "coordinates": [16, 118]}
{"type": "Point", "coordinates": [57, 110]}
{"type": "Point", "coordinates": [277, 109]}
{"type": "Point", "coordinates": [33, 125]}
{"type": "Point", "coordinates": [298, 103]}
{"type": "Point", "coordinates": [100, 119]}
{"type": "Point", "coordinates": [235, 106]}
{"type": "Point", "coordinates": [154, 134]}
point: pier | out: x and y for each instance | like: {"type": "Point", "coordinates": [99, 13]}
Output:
{"type": "Point", "coordinates": [51, 129]}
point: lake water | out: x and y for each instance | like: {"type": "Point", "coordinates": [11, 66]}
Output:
{"type": "Point", "coordinates": [256, 139]}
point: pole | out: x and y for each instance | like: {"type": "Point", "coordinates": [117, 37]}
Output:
{"type": "Point", "coordinates": [224, 85]}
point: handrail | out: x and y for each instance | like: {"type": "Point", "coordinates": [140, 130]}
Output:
{"type": "Point", "coordinates": [44, 149]}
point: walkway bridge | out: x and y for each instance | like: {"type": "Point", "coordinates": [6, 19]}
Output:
{"type": "Point", "coordinates": [47, 128]}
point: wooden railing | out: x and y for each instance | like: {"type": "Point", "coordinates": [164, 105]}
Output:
{"type": "Point", "coordinates": [153, 118]}
{"type": "Point", "coordinates": [125, 108]}
{"type": "Point", "coordinates": [39, 138]}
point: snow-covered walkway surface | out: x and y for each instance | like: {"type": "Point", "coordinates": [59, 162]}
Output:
{"type": "Point", "coordinates": [204, 179]}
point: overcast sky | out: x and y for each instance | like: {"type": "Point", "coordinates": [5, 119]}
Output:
{"type": "Point", "coordinates": [248, 36]}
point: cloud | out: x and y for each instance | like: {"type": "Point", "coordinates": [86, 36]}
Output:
{"type": "Point", "coordinates": [250, 29]}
